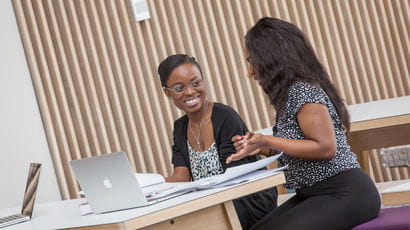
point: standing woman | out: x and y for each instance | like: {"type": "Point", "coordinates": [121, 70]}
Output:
{"type": "Point", "coordinates": [202, 137]}
{"type": "Point", "coordinates": [332, 191]}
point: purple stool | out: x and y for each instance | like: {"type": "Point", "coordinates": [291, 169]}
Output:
{"type": "Point", "coordinates": [389, 218]}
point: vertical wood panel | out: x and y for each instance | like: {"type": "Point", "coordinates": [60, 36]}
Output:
{"type": "Point", "coordinates": [204, 34]}
{"type": "Point", "coordinates": [342, 9]}
{"type": "Point", "coordinates": [94, 68]}
{"type": "Point", "coordinates": [329, 48]}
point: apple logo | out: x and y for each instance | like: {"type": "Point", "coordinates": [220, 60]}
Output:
{"type": "Point", "coordinates": [107, 183]}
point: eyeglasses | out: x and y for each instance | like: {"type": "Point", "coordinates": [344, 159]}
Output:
{"type": "Point", "coordinates": [180, 88]}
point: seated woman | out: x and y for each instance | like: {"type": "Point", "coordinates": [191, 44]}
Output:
{"type": "Point", "coordinates": [202, 137]}
{"type": "Point", "coordinates": [332, 191]}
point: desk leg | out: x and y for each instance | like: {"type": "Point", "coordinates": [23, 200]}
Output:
{"type": "Point", "coordinates": [364, 161]}
{"type": "Point", "coordinates": [231, 215]}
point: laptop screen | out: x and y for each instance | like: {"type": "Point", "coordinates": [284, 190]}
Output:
{"type": "Point", "coordinates": [31, 189]}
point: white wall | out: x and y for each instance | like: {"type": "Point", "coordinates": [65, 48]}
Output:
{"type": "Point", "coordinates": [22, 137]}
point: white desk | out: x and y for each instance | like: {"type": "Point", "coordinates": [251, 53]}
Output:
{"type": "Point", "coordinates": [207, 209]}
{"type": "Point", "coordinates": [379, 124]}
{"type": "Point", "coordinates": [394, 193]}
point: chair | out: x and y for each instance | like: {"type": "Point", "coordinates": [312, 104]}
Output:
{"type": "Point", "coordinates": [389, 218]}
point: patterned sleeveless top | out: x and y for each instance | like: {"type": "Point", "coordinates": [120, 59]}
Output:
{"type": "Point", "coordinates": [303, 173]}
{"type": "Point", "coordinates": [204, 163]}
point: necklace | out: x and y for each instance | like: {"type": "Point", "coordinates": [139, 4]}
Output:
{"type": "Point", "coordinates": [197, 138]}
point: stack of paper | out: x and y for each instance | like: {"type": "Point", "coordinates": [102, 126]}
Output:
{"type": "Point", "coordinates": [220, 180]}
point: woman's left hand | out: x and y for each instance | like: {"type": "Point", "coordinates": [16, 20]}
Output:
{"type": "Point", "coordinates": [250, 147]}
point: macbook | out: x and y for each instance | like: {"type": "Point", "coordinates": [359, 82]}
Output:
{"type": "Point", "coordinates": [29, 197]}
{"type": "Point", "coordinates": [109, 183]}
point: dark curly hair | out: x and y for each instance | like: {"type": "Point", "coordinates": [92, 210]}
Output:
{"type": "Point", "coordinates": [168, 65]}
{"type": "Point", "coordinates": [280, 54]}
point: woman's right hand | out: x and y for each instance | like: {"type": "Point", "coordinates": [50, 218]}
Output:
{"type": "Point", "coordinates": [239, 141]}
{"type": "Point", "coordinates": [245, 146]}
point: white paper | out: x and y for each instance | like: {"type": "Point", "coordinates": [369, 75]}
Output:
{"type": "Point", "coordinates": [257, 175]}
{"type": "Point", "coordinates": [85, 209]}
{"type": "Point", "coordinates": [157, 188]}
{"type": "Point", "coordinates": [250, 167]}
{"type": "Point", "coordinates": [215, 181]}
{"type": "Point", "coordinates": [148, 179]}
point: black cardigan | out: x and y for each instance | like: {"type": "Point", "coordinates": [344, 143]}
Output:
{"type": "Point", "coordinates": [226, 124]}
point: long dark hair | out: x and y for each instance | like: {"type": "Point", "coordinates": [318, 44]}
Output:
{"type": "Point", "coordinates": [281, 54]}
{"type": "Point", "coordinates": [168, 65]}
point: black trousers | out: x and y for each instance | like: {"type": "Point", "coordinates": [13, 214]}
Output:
{"type": "Point", "coordinates": [252, 208]}
{"type": "Point", "coordinates": [340, 202]}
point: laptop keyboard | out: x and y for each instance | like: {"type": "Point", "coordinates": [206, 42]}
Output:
{"type": "Point", "coordinates": [13, 219]}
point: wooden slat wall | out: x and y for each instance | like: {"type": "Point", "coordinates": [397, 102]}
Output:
{"type": "Point", "coordinates": [94, 67]}
{"type": "Point", "coordinates": [381, 173]}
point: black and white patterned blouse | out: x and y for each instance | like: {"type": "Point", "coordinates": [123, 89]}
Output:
{"type": "Point", "coordinates": [204, 163]}
{"type": "Point", "coordinates": [303, 173]}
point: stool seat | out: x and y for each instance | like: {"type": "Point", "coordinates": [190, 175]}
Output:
{"type": "Point", "coordinates": [397, 218]}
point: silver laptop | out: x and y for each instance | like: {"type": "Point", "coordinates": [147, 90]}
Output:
{"type": "Point", "coordinates": [109, 183]}
{"type": "Point", "coordinates": [28, 201]}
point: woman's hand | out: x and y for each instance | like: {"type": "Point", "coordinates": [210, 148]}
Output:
{"type": "Point", "coordinates": [239, 141]}
{"type": "Point", "coordinates": [247, 145]}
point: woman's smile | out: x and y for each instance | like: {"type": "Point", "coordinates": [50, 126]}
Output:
{"type": "Point", "coordinates": [193, 101]}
